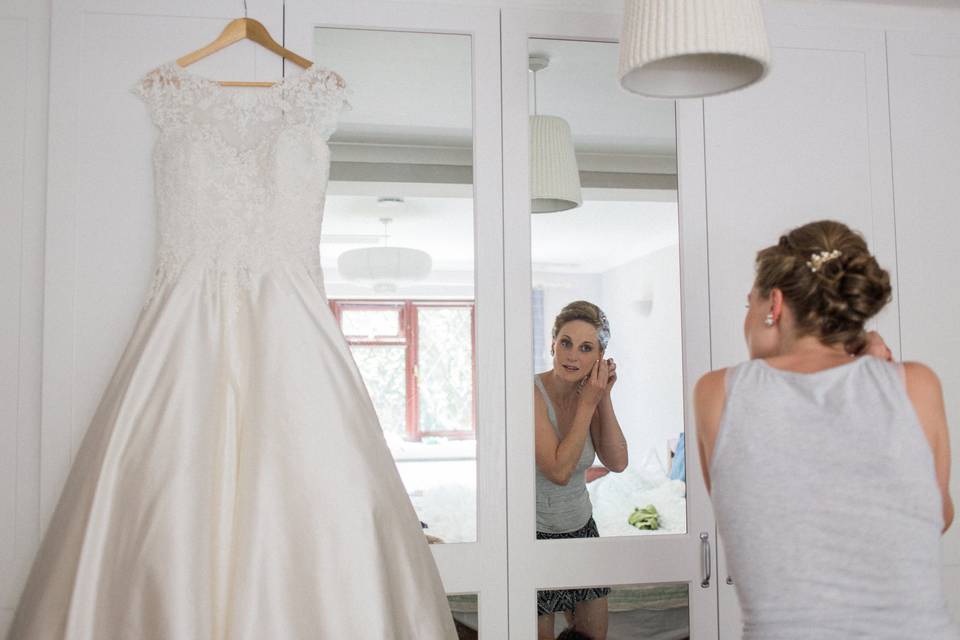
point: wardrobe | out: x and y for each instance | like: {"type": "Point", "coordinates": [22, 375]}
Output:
{"type": "Point", "coordinates": [857, 121]}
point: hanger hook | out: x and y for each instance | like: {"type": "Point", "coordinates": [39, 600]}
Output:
{"type": "Point", "coordinates": [245, 8]}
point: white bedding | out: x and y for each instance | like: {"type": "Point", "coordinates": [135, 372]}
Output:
{"type": "Point", "coordinates": [643, 482]}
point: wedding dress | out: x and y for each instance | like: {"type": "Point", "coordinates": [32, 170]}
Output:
{"type": "Point", "coordinates": [235, 483]}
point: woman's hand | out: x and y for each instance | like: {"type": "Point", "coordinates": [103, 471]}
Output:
{"type": "Point", "coordinates": [611, 375]}
{"type": "Point", "coordinates": [595, 384]}
{"type": "Point", "coordinates": [876, 347]}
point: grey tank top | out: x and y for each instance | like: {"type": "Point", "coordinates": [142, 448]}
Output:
{"type": "Point", "coordinates": [825, 494]}
{"type": "Point", "coordinates": [561, 509]}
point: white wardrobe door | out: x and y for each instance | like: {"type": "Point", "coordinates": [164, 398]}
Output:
{"type": "Point", "coordinates": [809, 142]}
{"type": "Point", "coordinates": [24, 45]}
{"type": "Point", "coordinates": [924, 99]}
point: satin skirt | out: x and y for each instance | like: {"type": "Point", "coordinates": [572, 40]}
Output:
{"type": "Point", "coordinates": [234, 485]}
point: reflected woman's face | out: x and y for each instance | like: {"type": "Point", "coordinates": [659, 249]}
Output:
{"type": "Point", "coordinates": [575, 350]}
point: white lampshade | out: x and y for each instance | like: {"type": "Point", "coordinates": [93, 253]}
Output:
{"type": "Point", "coordinates": [384, 267]}
{"type": "Point", "coordinates": [554, 177]}
{"type": "Point", "coordinates": [692, 48]}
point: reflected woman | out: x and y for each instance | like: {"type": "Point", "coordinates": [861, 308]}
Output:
{"type": "Point", "coordinates": [574, 423]}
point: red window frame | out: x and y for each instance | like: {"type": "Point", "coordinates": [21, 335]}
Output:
{"type": "Point", "coordinates": [408, 336]}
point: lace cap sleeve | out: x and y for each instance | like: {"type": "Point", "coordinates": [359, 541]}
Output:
{"type": "Point", "coordinates": [157, 90]}
{"type": "Point", "coordinates": [324, 99]}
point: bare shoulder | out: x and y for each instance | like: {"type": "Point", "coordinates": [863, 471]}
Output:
{"type": "Point", "coordinates": [920, 378]}
{"type": "Point", "coordinates": [708, 400]}
{"type": "Point", "coordinates": [926, 396]}
{"type": "Point", "coordinates": [711, 387]}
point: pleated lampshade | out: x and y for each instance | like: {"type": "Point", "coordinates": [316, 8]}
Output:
{"type": "Point", "coordinates": [692, 48]}
{"type": "Point", "coordinates": [554, 177]}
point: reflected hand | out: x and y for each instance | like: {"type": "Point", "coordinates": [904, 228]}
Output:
{"type": "Point", "coordinates": [595, 384]}
{"type": "Point", "coordinates": [611, 374]}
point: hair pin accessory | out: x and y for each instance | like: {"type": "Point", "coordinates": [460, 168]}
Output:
{"type": "Point", "coordinates": [817, 260]}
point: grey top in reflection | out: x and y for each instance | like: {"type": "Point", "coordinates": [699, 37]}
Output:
{"type": "Point", "coordinates": [563, 508]}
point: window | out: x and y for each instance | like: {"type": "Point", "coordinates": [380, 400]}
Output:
{"type": "Point", "coordinates": [417, 359]}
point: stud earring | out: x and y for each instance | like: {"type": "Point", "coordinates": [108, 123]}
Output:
{"type": "Point", "coordinates": [768, 321]}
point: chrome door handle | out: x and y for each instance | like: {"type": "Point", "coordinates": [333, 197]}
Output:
{"type": "Point", "coordinates": [707, 559]}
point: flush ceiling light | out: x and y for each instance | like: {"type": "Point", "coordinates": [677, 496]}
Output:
{"type": "Point", "coordinates": [692, 48]}
{"type": "Point", "coordinates": [384, 267]}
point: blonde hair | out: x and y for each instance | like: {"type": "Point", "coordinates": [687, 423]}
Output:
{"type": "Point", "coordinates": [587, 312]}
{"type": "Point", "coordinates": [829, 279]}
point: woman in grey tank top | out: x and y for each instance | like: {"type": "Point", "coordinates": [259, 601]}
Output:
{"type": "Point", "coordinates": [829, 473]}
{"type": "Point", "coordinates": [574, 423]}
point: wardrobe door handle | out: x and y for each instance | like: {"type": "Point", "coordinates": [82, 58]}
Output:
{"type": "Point", "coordinates": [707, 564]}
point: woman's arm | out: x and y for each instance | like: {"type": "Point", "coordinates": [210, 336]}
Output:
{"type": "Point", "coordinates": [708, 400]}
{"type": "Point", "coordinates": [923, 388]}
{"type": "Point", "coordinates": [557, 459]}
{"type": "Point", "coordinates": [608, 437]}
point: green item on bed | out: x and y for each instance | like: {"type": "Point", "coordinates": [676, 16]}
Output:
{"type": "Point", "coordinates": [646, 518]}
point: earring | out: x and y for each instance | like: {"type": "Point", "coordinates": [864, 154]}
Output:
{"type": "Point", "coordinates": [768, 321]}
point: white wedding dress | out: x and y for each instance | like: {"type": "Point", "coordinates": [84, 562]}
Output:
{"type": "Point", "coordinates": [235, 483]}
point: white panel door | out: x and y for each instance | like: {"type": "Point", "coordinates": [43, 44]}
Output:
{"type": "Point", "coordinates": [631, 564]}
{"type": "Point", "coordinates": [424, 86]}
{"type": "Point", "coordinates": [809, 142]}
{"type": "Point", "coordinates": [924, 99]}
{"type": "Point", "coordinates": [24, 46]}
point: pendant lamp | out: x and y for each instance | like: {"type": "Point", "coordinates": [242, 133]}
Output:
{"type": "Point", "coordinates": [554, 176]}
{"type": "Point", "coordinates": [692, 48]}
{"type": "Point", "coordinates": [384, 267]}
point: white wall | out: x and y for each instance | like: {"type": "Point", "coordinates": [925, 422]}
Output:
{"type": "Point", "coordinates": [642, 301]}
{"type": "Point", "coordinates": [24, 59]}
{"type": "Point", "coordinates": [925, 92]}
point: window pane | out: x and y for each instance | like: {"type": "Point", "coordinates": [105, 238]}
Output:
{"type": "Point", "coordinates": [383, 369]}
{"type": "Point", "coordinates": [370, 323]}
{"type": "Point", "coordinates": [445, 361]}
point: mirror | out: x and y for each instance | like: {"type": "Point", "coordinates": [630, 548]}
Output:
{"type": "Point", "coordinates": [618, 612]}
{"type": "Point", "coordinates": [397, 254]}
{"type": "Point", "coordinates": [466, 615]}
{"type": "Point", "coordinates": [605, 237]}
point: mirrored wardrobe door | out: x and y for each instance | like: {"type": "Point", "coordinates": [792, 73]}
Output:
{"type": "Point", "coordinates": [606, 293]}
{"type": "Point", "coordinates": [414, 272]}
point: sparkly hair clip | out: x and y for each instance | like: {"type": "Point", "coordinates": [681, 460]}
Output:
{"type": "Point", "coordinates": [603, 333]}
{"type": "Point", "coordinates": [817, 260]}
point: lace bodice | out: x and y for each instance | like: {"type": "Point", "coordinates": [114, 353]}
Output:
{"type": "Point", "coordinates": [240, 175]}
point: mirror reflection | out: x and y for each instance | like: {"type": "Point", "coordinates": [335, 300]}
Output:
{"type": "Point", "coordinates": [465, 610]}
{"type": "Point", "coordinates": [623, 612]}
{"type": "Point", "coordinates": [398, 255]}
{"type": "Point", "coordinates": [608, 389]}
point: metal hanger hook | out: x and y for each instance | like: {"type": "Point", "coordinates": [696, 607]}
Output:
{"type": "Point", "coordinates": [245, 9]}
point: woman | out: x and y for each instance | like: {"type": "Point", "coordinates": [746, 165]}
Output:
{"type": "Point", "coordinates": [829, 474]}
{"type": "Point", "coordinates": [574, 422]}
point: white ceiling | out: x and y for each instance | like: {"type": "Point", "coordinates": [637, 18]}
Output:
{"type": "Point", "coordinates": [415, 88]}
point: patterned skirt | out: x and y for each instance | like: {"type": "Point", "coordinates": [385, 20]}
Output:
{"type": "Point", "coordinates": [566, 599]}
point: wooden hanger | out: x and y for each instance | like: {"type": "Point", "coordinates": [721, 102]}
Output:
{"type": "Point", "coordinates": [244, 29]}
